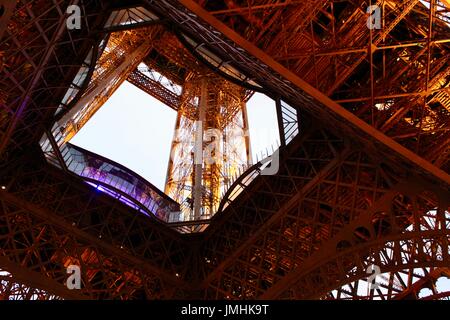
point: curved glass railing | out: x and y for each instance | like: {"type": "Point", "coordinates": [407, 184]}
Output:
{"type": "Point", "coordinates": [123, 184]}
{"type": "Point", "coordinates": [111, 178]}
{"type": "Point", "coordinates": [114, 179]}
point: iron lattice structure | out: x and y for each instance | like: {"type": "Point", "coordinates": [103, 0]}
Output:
{"type": "Point", "coordinates": [217, 129]}
{"type": "Point", "coordinates": [364, 182]}
{"type": "Point", "coordinates": [211, 143]}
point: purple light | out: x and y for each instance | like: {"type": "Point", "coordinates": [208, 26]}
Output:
{"type": "Point", "coordinates": [92, 184]}
{"type": "Point", "coordinates": [145, 201]}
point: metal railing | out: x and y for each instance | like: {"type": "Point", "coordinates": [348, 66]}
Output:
{"type": "Point", "coordinates": [113, 179]}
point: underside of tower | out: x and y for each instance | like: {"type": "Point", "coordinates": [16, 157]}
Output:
{"type": "Point", "coordinates": [359, 184]}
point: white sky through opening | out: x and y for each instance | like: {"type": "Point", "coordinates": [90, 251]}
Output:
{"type": "Point", "coordinates": [136, 130]}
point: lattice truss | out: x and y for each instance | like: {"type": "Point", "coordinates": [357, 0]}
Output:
{"type": "Point", "coordinates": [309, 242]}
{"type": "Point", "coordinates": [155, 61]}
{"type": "Point", "coordinates": [122, 54]}
{"type": "Point", "coordinates": [215, 108]}
{"type": "Point", "coordinates": [344, 198]}
{"type": "Point", "coordinates": [395, 78]}
{"type": "Point", "coordinates": [11, 290]}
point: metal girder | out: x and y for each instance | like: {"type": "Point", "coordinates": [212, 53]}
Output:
{"type": "Point", "coordinates": [155, 89]}
{"type": "Point", "coordinates": [283, 208]}
{"type": "Point", "coordinates": [259, 237]}
{"type": "Point", "coordinates": [250, 257]}
{"type": "Point", "coordinates": [77, 224]}
{"type": "Point", "coordinates": [334, 50]}
{"type": "Point", "coordinates": [393, 231]}
{"type": "Point", "coordinates": [27, 79]}
{"type": "Point", "coordinates": [309, 97]}
{"type": "Point", "coordinates": [113, 68]}
{"type": "Point", "coordinates": [39, 69]}
{"type": "Point", "coordinates": [345, 195]}
{"type": "Point", "coordinates": [37, 280]}
{"type": "Point", "coordinates": [73, 252]}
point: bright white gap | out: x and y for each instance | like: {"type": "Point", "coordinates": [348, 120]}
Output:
{"type": "Point", "coordinates": [443, 284]}
{"type": "Point", "coordinates": [262, 119]}
{"type": "Point", "coordinates": [136, 130]}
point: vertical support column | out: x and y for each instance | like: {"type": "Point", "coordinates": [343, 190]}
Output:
{"type": "Point", "coordinates": [212, 111]}
{"type": "Point", "coordinates": [169, 177]}
{"type": "Point", "coordinates": [280, 121]}
{"type": "Point", "coordinates": [372, 81]}
{"type": "Point", "coordinates": [198, 150]}
{"type": "Point", "coordinates": [427, 73]}
{"type": "Point", "coordinates": [248, 148]}
{"type": "Point", "coordinates": [104, 87]}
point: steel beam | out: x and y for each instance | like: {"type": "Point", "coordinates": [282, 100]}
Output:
{"type": "Point", "coordinates": [320, 99]}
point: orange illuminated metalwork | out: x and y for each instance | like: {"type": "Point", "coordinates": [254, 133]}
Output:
{"type": "Point", "coordinates": [362, 185]}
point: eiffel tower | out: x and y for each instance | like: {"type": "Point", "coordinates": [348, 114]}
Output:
{"type": "Point", "coordinates": [358, 208]}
